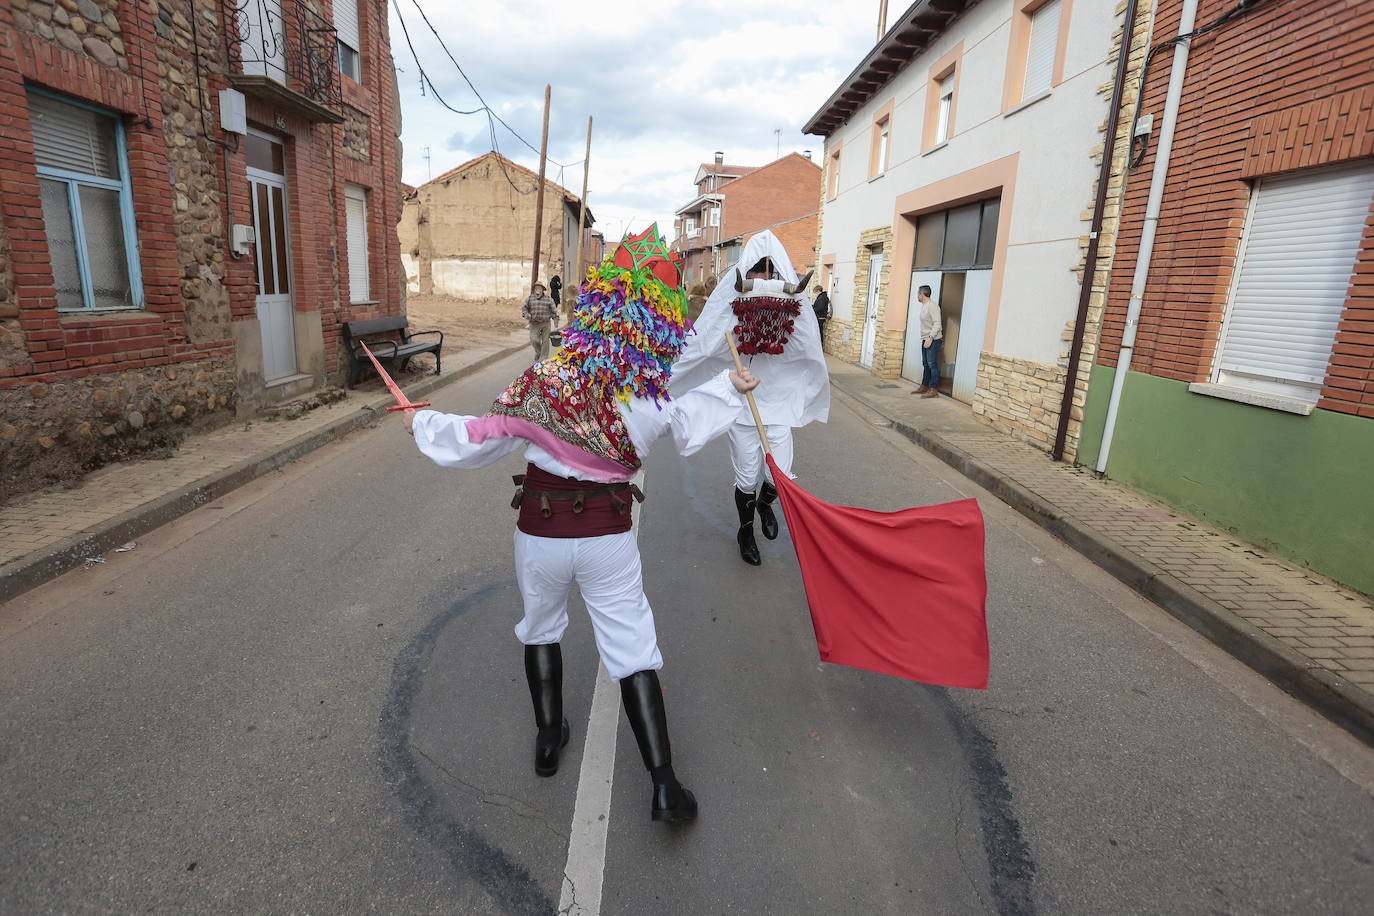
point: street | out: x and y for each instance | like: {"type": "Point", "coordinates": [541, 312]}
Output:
{"type": "Point", "coordinates": [306, 697]}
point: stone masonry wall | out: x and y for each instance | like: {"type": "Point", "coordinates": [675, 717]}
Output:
{"type": "Point", "coordinates": [89, 28]}
{"type": "Point", "coordinates": [192, 160]}
{"type": "Point", "coordinates": [1019, 397]}
{"type": "Point", "coordinates": [62, 429]}
{"type": "Point", "coordinates": [357, 134]}
{"type": "Point", "coordinates": [12, 349]}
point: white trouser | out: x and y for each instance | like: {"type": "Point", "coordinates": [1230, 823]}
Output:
{"type": "Point", "coordinates": [607, 571]}
{"type": "Point", "coordinates": [746, 453]}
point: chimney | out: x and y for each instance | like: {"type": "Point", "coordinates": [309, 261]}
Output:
{"type": "Point", "coordinates": [720, 157]}
{"type": "Point", "coordinates": [807, 154]}
{"type": "Point", "coordinates": [882, 19]}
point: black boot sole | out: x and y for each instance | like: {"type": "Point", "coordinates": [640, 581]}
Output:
{"type": "Point", "coordinates": [748, 547]}
{"type": "Point", "coordinates": [545, 768]}
{"type": "Point", "coordinates": [684, 811]}
{"type": "Point", "coordinates": [768, 522]}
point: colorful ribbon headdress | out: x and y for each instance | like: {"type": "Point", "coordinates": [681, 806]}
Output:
{"type": "Point", "coordinates": [629, 322]}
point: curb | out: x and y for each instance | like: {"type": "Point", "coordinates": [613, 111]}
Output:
{"type": "Point", "coordinates": [1337, 699]}
{"type": "Point", "coordinates": [47, 564]}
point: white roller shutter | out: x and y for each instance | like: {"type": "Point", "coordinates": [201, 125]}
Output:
{"type": "Point", "coordinates": [346, 22]}
{"type": "Point", "coordinates": [1296, 261]}
{"type": "Point", "coordinates": [72, 138]}
{"type": "Point", "coordinates": [1044, 42]}
{"type": "Point", "coordinates": [355, 209]}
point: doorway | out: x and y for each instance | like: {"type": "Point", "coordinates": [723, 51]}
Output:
{"type": "Point", "coordinates": [272, 255]}
{"type": "Point", "coordinates": [953, 256]}
{"type": "Point", "coordinates": [875, 270]}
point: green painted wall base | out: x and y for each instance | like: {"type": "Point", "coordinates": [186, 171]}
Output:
{"type": "Point", "coordinates": [1300, 487]}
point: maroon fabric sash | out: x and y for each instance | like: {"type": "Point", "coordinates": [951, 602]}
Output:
{"type": "Point", "coordinates": [605, 509]}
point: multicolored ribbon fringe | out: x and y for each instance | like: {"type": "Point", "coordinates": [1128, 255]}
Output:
{"type": "Point", "coordinates": [765, 322]}
{"type": "Point", "coordinates": [627, 328]}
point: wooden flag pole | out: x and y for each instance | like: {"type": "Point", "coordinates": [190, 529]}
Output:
{"type": "Point", "coordinates": [753, 408]}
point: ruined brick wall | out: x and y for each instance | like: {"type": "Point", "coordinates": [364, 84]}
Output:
{"type": "Point", "coordinates": [471, 231]}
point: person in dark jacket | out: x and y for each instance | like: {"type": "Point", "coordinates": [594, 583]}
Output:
{"type": "Point", "coordinates": [820, 304]}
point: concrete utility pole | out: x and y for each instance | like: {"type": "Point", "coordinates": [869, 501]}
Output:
{"type": "Point", "coordinates": [539, 197]}
{"type": "Point", "coordinates": [582, 214]}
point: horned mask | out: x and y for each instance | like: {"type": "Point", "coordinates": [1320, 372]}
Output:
{"type": "Point", "coordinates": [766, 312]}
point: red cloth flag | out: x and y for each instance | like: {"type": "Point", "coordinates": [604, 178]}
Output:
{"type": "Point", "coordinates": [900, 593]}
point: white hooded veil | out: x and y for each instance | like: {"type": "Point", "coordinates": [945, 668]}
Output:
{"type": "Point", "coordinates": [794, 386]}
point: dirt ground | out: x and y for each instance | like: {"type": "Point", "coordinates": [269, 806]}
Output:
{"type": "Point", "coordinates": [466, 323]}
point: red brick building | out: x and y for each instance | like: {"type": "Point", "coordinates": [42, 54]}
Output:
{"type": "Point", "coordinates": [735, 202]}
{"type": "Point", "coordinates": [1248, 395]}
{"type": "Point", "coordinates": [196, 195]}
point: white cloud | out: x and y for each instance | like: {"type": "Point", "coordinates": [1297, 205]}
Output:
{"type": "Point", "coordinates": [667, 85]}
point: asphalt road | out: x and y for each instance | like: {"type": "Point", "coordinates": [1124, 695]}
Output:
{"type": "Point", "coordinates": [306, 698]}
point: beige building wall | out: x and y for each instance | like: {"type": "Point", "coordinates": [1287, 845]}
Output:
{"type": "Point", "coordinates": [470, 233]}
{"type": "Point", "coordinates": [1038, 155]}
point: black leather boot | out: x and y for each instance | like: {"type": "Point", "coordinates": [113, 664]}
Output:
{"type": "Point", "coordinates": [748, 547]}
{"type": "Point", "coordinates": [643, 699]}
{"type": "Point", "coordinates": [768, 522]}
{"type": "Point", "coordinates": [544, 671]}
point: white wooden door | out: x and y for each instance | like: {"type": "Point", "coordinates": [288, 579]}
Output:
{"type": "Point", "coordinates": [972, 326]}
{"type": "Point", "coordinates": [276, 309]}
{"type": "Point", "coordinates": [875, 271]}
{"type": "Point", "coordinates": [912, 367]}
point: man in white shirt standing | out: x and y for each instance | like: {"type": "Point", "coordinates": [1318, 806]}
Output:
{"type": "Point", "coordinates": [932, 336]}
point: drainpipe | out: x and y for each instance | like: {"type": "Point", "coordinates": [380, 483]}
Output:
{"type": "Point", "coordinates": [1147, 235]}
{"type": "Point", "coordinates": [1104, 176]}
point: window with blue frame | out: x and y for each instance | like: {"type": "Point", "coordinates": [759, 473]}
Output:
{"type": "Point", "coordinates": [83, 177]}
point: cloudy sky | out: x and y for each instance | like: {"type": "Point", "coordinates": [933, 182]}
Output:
{"type": "Point", "coordinates": [667, 83]}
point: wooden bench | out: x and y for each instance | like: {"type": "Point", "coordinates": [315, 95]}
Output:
{"type": "Point", "coordinates": [393, 350]}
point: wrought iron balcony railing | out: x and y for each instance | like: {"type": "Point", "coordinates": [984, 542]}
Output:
{"type": "Point", "coordinates": [287, 42]}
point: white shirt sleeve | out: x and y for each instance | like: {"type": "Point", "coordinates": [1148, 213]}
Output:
{"type": "Point", "coordinates": [693, 418]}
{"type": "Point", "coordinates": [443, 439]}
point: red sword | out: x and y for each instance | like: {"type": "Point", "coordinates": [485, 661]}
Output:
{"type": "Point", "coordinates": [402, 402]}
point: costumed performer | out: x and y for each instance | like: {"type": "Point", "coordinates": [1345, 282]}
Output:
{"type": "Point", "coordinates": [762, 302]}
{"type": "Point", "coordinates": [585, 419]}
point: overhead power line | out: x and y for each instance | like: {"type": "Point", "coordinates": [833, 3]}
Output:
{"type": "Point", "coordinates": [492, 117]}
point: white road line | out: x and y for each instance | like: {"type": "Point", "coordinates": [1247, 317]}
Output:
{"type": "Point", "coordinates": [582, 875]}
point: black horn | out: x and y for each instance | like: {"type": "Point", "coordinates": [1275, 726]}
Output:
{"type": "Point", "coordinates": [742, 285]}
{"type": "Point", "coordinates": [800, 286]}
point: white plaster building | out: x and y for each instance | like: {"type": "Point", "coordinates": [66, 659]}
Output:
{"type": "Point", "coordinates": [962, 153]}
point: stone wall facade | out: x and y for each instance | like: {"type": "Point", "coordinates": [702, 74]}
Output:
{"type": "Point", "coordinates": [1019, 397]}
{"type": "Point", "coordinates": [89, 28]}
{"type": "Point", "coordinates": [887, 343]}
{"type": "Point", "coordinates": [82, 386]}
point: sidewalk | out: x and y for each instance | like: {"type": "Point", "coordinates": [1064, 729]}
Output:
{"type": "Point", "coordinates": [47, 533]}
{"type": "Point", "coordinates": [1308, 634]}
